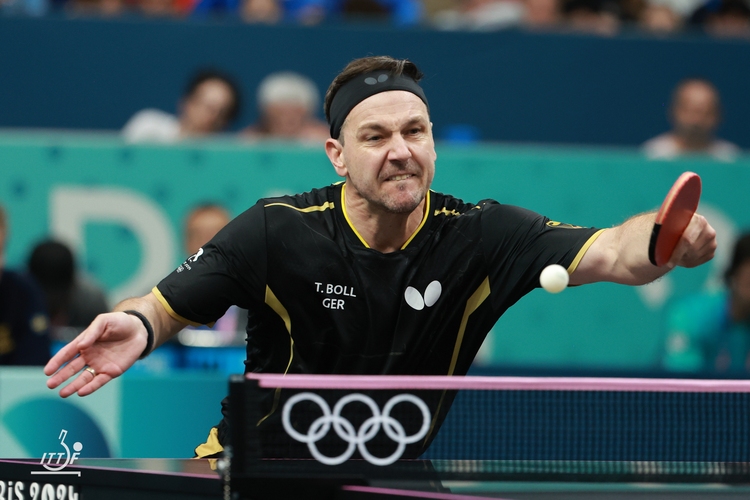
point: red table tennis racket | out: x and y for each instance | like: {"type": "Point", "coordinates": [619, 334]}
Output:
{"type": "Point", "coordinates": [673, 217]}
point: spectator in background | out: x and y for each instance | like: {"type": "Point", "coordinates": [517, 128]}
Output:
{"type": "Point", "coordinates": [261, 11]}
{"type": "Point", "coordinates": [287, 102]}
{"type": "Point", "coordinates": [600, 17]}
{"type": "Point", "coordinates": [24, 329]}
{"type": "Point", "coordinates": [542, 14]}
{"type": "Point", "coordinates": [24, 7]}
{"type": "Point", "coordinates": [659, 18]}
{"type": "Point", "coordinates": [480, 15]}
{"type": "Point", "coordinates": [710, 332]}
{"type": "Point", "coordinates": [73, 299]}
{"type": "Point", "coordinates": [100, 8]}
{"type": "Point", "coordinates": [157, 8]}
{"type": "Point", "coordinates": [210, 103]}
{"type": "Point", "coordinates": [695, 113]}
{"type": "Point", "coordinates": [201, 224]}
{"type": "Point", "coordinates": [725, 18]}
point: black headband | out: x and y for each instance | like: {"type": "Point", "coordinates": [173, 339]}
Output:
{"type": "Point", "coordinates": [363, 86]}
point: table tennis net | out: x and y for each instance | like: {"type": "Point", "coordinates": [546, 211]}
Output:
{"type": "Point", "coordinates": [484, 427]}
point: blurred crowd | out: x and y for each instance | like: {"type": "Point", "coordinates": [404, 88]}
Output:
{"type": "Point", "coordinates": [288, 104]}
{"type": "Point", "coordinates": [723, 18]}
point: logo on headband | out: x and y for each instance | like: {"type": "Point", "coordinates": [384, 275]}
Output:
{"type": "Point", "coordinates": [356, 438]}
{"type": "Point", "coordinates": [370, 80]}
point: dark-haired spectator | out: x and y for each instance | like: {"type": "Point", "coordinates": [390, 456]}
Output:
{"type": "Point", "coordinates": [726, 18]}
{"type": "Point", "coordinates": [210, 103]}
{"type": "Point", "coordinates": [710, 331]}
{"type": "Point", "coordinates": [72, 298]}
{"type": "Point", "coordinates": [24, 329]}
{"type": "Point", "coordinates": [695, 114]}
{"type": "Point", "coordinates": [599, 17]}
{"type": "Point", "coordinates": [287, 102]}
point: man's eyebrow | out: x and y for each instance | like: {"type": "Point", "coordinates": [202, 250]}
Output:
{"type": "Point", "coordinates": [378, 126]}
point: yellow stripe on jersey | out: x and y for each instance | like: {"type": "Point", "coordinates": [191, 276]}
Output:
{"type": "Point", "coordinates": [348, 220]}
{"type": "Point", "coordinates": [424, 219]}
{"type": "Point", "coordinates": [315, 208]}
{"type": "Point", "coordinates": [455, 213]}
{"type": "Point", "coordinates": [171, 312]}
{"type": "Point", "coordinates": [573, 265]}
{"type": "Point", "coordinates": [275, 304]}
{"type": "Point", "coordinates": [476, 300]}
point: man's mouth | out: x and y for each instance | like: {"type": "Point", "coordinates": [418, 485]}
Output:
{"type": "Point", "coordinates": [401, 177]}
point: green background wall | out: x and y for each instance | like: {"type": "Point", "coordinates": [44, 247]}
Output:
{"type": "Point", "coordinates": [122, 206]}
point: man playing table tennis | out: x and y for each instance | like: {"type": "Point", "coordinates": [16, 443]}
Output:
{"type": "Point", "coordinates": [374, 275]}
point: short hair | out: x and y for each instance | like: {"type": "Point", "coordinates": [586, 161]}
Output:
{"type": "Point", "coordinates": [203, 75]}
{"type": "Point", "coordinates": [364, 65]}
{"type": "Point", "coordinates": [740, 255]}
{"type": "Point", "coordinates": [52, 264]}
{"type": "Point", "coordinates": [288, 87]}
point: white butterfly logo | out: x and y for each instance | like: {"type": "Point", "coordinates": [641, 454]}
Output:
{"type": "Point", "coordinates": [431, 295]}
{"type": "Point", "coordinates": [195, 256]}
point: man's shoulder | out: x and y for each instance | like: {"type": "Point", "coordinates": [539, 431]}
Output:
{"type": "Point", "coordinates": [311, 201]}
{"type": "Point", "coordinates": [152, 124]}
{"type": "Point", "coordinates": [725, 150]}
{"type": "Point", "coordinates": [661, 146]}
{"type": "Point", "coordinates": [446, 204]}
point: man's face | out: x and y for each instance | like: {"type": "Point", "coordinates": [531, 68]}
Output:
{"type": "Point", "coordinates": [696, 113]}
{"type": "Point", "coordinates": [388, 156]}
{"type": "Point", "coordinates": [206, 110]}
{"type": "Point", "coordinates": [201, 227]}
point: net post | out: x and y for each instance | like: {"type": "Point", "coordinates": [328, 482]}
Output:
{"type": "Point", "coordinates": [243, 438]}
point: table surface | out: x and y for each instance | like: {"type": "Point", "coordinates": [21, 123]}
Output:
{"type": "Point", "coordinates": [182, 478]}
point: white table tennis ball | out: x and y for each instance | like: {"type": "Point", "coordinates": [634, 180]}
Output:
{"type": "Point", "coordinates": [554, 278]}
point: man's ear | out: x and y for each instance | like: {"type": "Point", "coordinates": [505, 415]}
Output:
{"type": "Point", "coordinates": [335, 152]}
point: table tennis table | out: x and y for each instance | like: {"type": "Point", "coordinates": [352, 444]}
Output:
{"type": "Point", "coordinates": [188, 479]}
{"type": "Point", "coordinates": [511, 438]}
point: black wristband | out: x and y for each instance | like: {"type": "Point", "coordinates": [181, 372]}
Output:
{"type": "Point", "coordinates": [149, 331]}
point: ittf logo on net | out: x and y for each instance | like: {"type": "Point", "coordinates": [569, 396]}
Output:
{"type": "Point", "coordinates": [56, 461]}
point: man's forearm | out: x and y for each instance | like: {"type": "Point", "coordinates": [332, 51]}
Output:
{"type": "Point", "coordinates": [630, 242]}
{"type": "Point", "coordinates": [163, 325]}
{"type": "Point", "coordinates": [620, 255]}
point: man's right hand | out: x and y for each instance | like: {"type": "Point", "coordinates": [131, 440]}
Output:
{"type": "Point", "coordinates": [109, 346]}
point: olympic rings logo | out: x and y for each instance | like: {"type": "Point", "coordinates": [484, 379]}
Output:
{"type": "Point", "coordinates": [345, 430]}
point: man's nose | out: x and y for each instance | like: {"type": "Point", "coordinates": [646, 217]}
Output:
{"type": "Point", "coordinates": [399, 149]}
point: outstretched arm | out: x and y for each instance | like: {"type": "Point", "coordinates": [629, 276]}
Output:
{"type": "Point", "coordinates": [620, 254]}
{"type": "Point", "coordinates": [109, 346]}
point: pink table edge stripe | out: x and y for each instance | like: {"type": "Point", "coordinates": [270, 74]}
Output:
{"type": "Point", "coordinates": [414, 494]}
{"type": "Point", "coordinates": [415, 382]}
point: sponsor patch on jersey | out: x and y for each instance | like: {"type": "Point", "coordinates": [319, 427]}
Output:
{"type": "Point", "coordinates": [418, 301]}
